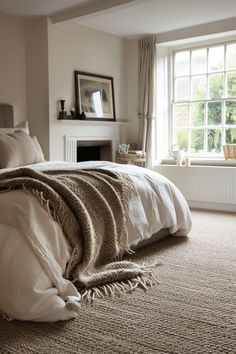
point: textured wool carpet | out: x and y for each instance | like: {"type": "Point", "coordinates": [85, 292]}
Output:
{"type": "Point", "coordinates": [192, 310]}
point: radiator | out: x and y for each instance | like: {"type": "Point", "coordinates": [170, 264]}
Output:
{"type": "Point", "coordinates": [71, 149]}
{"type": "Point", "coordinates": [204, 186]}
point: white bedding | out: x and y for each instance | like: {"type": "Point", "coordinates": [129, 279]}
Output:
{"type": "Point", "coordinates": [32, 285]}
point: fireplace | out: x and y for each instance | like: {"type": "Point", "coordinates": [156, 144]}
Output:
{"type": "Point", "coordinates": [79, 149]}
{"type": "Point", "coordinates": [94, 150]}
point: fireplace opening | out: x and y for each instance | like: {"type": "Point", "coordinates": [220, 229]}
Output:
{"type": "Point", "coordinates": [94, 150]}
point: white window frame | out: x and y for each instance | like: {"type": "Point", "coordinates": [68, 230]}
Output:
{"type": "Point", "coordinates": [171, 89]}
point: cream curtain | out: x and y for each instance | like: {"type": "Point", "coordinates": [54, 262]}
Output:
{"type": "Point", "coordinates": [147, 63]}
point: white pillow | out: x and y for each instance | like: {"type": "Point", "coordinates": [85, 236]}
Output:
{"type": "Point", "coordinates": [23, 126]}
{"type": "Point", "coordinates": [19, 149]}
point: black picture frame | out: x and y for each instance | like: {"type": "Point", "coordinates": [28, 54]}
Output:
{"type": "Point", "coordinates": [94, 95]}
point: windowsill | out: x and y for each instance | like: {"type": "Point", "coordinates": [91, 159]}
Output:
{"type": "Point", "coordinates": [201, 162]}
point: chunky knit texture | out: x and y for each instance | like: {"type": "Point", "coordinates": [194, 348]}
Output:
{"type": "Point", "coordinates": [90, 206]}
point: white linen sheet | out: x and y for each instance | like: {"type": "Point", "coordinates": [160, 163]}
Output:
{"type": "Point", "coordinates": [34, 252]}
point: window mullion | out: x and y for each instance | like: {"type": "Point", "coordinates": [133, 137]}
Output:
{"type": "Point", "coordinates": [205, 126]}
{"type": "Point", "coordinates": [206, 105]}
{"type": "Point", "coordinates": [223, 138]}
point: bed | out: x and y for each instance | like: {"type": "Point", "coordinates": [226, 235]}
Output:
{"type": "Point", "coordinates": [34, 252]}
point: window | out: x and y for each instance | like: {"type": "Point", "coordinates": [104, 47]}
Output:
{"type": "Point", "coordinates": [204, 99]}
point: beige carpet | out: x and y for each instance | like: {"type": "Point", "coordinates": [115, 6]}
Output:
{"type": "Point", "coordinates": [192, 310]}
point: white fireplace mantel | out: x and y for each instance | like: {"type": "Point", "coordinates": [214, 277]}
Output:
{"type": "Point", "coordinates": [66, 133]}
{"type": "Point", "coordinates": [92, 122]}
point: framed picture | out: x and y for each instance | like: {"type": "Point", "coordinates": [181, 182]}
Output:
{"type": "Point", "coordinates": [94, 96]}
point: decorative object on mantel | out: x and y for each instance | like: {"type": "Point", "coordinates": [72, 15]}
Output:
{"type": "Point", "coordinates": [72, 112]}
{"type": "Point", "coordinates": [94, 95]}
{"type": "Point", "coordinates": [134, 157]}
{"type": "Point", "coordinates": [62, 113]}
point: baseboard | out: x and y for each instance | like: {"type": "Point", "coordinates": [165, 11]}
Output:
{"type": "Point", "coordinates": [212, 206]}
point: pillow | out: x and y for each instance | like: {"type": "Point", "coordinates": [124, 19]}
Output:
{"type": "Point", "coordinates": [23, 126]}
{"type": "Point", "coordinates": [19, 149]}
{"type": "Point", "coordinates": [38, 148]}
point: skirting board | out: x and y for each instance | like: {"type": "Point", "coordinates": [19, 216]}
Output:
{"type": "Point", "coordinates": [212, 206]}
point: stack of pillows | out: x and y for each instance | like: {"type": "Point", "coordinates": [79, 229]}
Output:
{"type": "Point", "coordinates": [18, 148]}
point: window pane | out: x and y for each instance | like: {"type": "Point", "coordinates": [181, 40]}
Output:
{"type": "Point", "coordinates": [197, 141]}
{"type": "Point", "coordinates": [181, 138]}
{"type": "Point", "coordinates": [182, 63]}
{"type": "Point", "coordinates": [197, 114]}
{"type": "Point", "coordinates": [231, 56]}
{"type": "Point", "coordinates": [230, 136]}
{"type": "Point", "coordinates": [231, 84]}
{"type": "Point", "coordinates": [181, 115]}
{"type": "Point", "coordinates": [216, 58]}
{"type": "Point", "coordinates": [198, 87]}
{"type": "Point", "coordinates": [216, 86]}
{"type": "Point", "coordinates": [199, 61]}
{"type": "Point", "coordinates": [230, 112]}
{"type": "Point", "coordinates": [182, 89]}
{"type": "Point", "coordinates": [214, 113]}
{"type": "Point", "coordinates": [214, 140]}
{"type": "Point", "coordinates": [204, 94]}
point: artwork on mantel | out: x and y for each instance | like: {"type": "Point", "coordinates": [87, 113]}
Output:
{"type": "Point", "coordinates": [94, 95]}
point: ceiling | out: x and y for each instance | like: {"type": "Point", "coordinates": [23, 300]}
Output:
{"type": "Point", "coordinates": [126, 18]}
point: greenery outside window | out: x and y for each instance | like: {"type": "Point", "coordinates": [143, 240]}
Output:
{"type": "Point", "coordinates": [204, 99]}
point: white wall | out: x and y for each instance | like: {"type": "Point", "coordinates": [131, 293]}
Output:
{"type": "Point", "coordinates": [73, 47]}
{"type": "Point", "coordinates": [12, 65]}
{"type": "Point", "coordinates": [38, 61]}
{"type": "Point", "coordinates": [37, 80]}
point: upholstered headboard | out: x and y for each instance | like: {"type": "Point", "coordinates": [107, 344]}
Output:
{"type": "Point", "coordinates": [6, 116]}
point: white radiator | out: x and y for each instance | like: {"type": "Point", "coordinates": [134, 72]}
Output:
{"type": "Point", "coordinates": [71, 149]}
{"type": "Point", "coordinates": [204, 186]}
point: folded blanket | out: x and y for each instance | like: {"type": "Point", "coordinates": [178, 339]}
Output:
{"type": "Point", "coordinates": [91, 207]}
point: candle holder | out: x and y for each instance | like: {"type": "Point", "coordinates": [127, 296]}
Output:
{"type": "Point", "coordinates": [62, 113]}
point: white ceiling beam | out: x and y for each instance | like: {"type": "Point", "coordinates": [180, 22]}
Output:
{"type": "Point", "coordinates": [87, 9]}
{"type": "Point", "coordinates": [211, 28]}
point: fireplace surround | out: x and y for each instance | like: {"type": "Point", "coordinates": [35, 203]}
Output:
{"type": "Point", "coordinates": [76, 134]}
{"type": "Point", "coordinates": [89, 148]}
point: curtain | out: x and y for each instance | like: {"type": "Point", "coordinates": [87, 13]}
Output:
{"type": "Point", "coordinates": [146, 90]}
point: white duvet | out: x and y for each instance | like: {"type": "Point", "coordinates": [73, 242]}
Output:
{"type": "Point", "coordinates": [34, 252]}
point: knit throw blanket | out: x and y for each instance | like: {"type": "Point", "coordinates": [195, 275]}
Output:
{"type": "Point", "coordinates": [91, 207]}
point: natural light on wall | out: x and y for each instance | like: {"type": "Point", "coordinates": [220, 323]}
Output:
{"type": "Point", "coordinates": [203, 109]}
